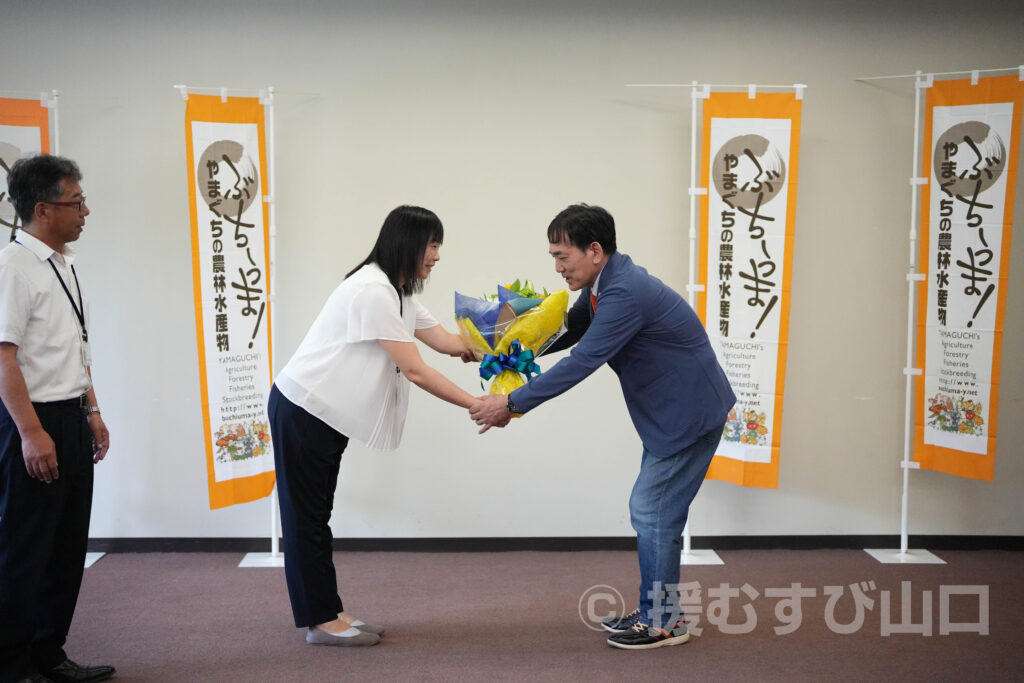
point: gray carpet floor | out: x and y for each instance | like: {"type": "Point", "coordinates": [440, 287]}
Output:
{"type": "Point", "coordinates": [518, 616]}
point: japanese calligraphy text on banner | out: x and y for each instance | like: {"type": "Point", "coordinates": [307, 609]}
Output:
{"type": "Point", "coordinates": [749, 165]}
{"type": "Point", "coordinates": [227, 174]}
{"type": "Point", "coordinates": [971, 139]}
{"type": "Point", "coordinates": [24, 130]}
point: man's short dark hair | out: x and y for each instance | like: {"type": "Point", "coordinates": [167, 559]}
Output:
{"type": "Point", "coordinates": [583, 225]}
{"type": "Point", "coordinates": [37, 179]}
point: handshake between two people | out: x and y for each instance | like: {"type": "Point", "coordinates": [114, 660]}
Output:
{"type": "Point", "coordinates": [490, 410]}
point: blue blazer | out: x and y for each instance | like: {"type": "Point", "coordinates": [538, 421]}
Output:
{"type": "Point", "coordinates": [674, 388]}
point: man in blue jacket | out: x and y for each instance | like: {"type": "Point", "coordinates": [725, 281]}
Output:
{"type": "Point", "coordinates": [676, 392]}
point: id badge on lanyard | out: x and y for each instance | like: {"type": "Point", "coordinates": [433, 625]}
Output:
{"type": "Point", "coordinates": [86, 354]}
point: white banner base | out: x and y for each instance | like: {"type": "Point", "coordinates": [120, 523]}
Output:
{"type": "Point", "coordinates": [92, 558]}
{"type": "Point", "coordinates": [910, 557]}
{"type": "Point", "coordinates": [262, 560]}
{"type": "Point", "coordinates": [700, 557]}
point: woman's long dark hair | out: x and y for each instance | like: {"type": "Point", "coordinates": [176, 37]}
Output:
{"type": "Point", "coordinates": [400, 246]}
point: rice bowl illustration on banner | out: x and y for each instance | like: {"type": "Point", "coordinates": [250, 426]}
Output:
{"type": "Point", "coordinates": [507, 331]}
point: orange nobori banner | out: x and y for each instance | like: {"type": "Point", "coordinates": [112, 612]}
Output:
{"type": "Point", "coordinates": [749, 167]}
{"type": "Point", "coordinates": [225, 145]}
{"type": "Point", "coordinates": [971, 139]}
{"type": "Point", "coordinates": [24, 130]}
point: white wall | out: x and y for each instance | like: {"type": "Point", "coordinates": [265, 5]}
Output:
{"type": "Point", "coordinates": [498, 115]}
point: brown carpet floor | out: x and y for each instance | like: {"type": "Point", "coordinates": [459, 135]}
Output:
{"type": "Point", "coordinates": [516, 616]}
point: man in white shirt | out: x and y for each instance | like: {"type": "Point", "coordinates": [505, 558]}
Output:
{"type": "Point", "coordinates": [51, 431]}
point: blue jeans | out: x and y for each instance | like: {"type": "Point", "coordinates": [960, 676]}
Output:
{"type": "Point", "coordinates": [658, 508]}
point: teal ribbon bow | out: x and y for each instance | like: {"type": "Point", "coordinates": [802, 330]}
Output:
{"type": "Point", "coordinates": [517, 358]}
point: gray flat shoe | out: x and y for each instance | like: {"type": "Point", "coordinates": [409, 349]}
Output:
{"type": "Point", "coordinates": [349, 638]}
{"type": "Point", "coordinates": [367, 628]}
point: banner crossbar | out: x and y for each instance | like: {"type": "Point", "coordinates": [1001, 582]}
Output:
{"type": "Point", "coordinates": [968, 72]}
{"type": "Point", "coordinates": [259, 92]}
{"type": "Point", "coordinates": [26, 94]}
{"type": "Point", "coordinates": [740, 86]}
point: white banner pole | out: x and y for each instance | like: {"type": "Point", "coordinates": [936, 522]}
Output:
{"type": "Point", "coordinates": [693, 245]}
{"type": "Point", "coordinates": [275, 552]}
{"type": "Point", "coordinates": [48, 100]}
{"type": "Point", "coordinates": [693, 201]}
{"type": "Point", "coordinates": [904, 555]}
{"type": "Point", "coordinates": [274, 558]}
{"type": "Point", "coordinates": [52, 104]}
{"type": "Point", "coordinates": [688, 555]}
{"type": "Point", "coordinates": [911, 302]}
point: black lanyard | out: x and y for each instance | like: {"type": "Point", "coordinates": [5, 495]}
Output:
{"type": "Point", "coordinates": [79, 307]}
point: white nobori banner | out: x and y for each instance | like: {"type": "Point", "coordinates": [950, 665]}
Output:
{"type": "Point", "coordinates": [749, 168]}
{"type": "Point", "coordinates": [227, 169]}
{"type": "Point", "coordinates": [971, 139]}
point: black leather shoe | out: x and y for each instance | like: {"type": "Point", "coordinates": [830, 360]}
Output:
{"type": "Point", "coordinates": [70, 672]}
{"type": "Point", "coordinates": [36, 678]}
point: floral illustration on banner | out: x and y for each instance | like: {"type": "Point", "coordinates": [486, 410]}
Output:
{"type": "Point", "coordinates": [956, 415]}
{"type": "Point", "coordinates": [241, 442]}
{"type": "Point", "coordinates": [746, 427]}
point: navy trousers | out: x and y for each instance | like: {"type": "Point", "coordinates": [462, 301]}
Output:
{"type": "Point", "coordinates": [44, 531]}
{"type": "Point", "coordinates": [307, 457]}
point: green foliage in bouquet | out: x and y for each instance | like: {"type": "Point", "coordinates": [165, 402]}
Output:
{"type": "Point", "coordinates": [522, 288]}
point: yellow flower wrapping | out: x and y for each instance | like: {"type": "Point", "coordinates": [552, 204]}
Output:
{"type": "Point", "coordinates": [537, 325]}
{"type": "Point", "coordinates": [506, 382]}
{"type": "Point", "coordinates": [474, 340]}
{"type": "Point", "coordinates": [532, 329]}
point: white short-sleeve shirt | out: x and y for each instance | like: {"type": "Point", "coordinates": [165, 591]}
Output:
{"type": "Point", "coordinates": [37, 317]}
{"type": "Point", "coordinates": [340, 373]}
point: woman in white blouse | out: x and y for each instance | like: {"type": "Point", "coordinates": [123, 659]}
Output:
{"type": "Point", "coordinates": [349, 379]}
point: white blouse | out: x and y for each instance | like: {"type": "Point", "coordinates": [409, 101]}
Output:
{"type": "Point", "coordinates": [340, 373]}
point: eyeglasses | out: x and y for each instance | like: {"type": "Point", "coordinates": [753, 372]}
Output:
{"type": "Point", "coordinates": [78, 204]}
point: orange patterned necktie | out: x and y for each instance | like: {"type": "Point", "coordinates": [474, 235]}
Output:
{"type": "Point", "coordinates": [593, 302]}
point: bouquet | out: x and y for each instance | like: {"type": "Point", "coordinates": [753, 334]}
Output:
{"type": "Point", "coordinates": [506, 332]}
